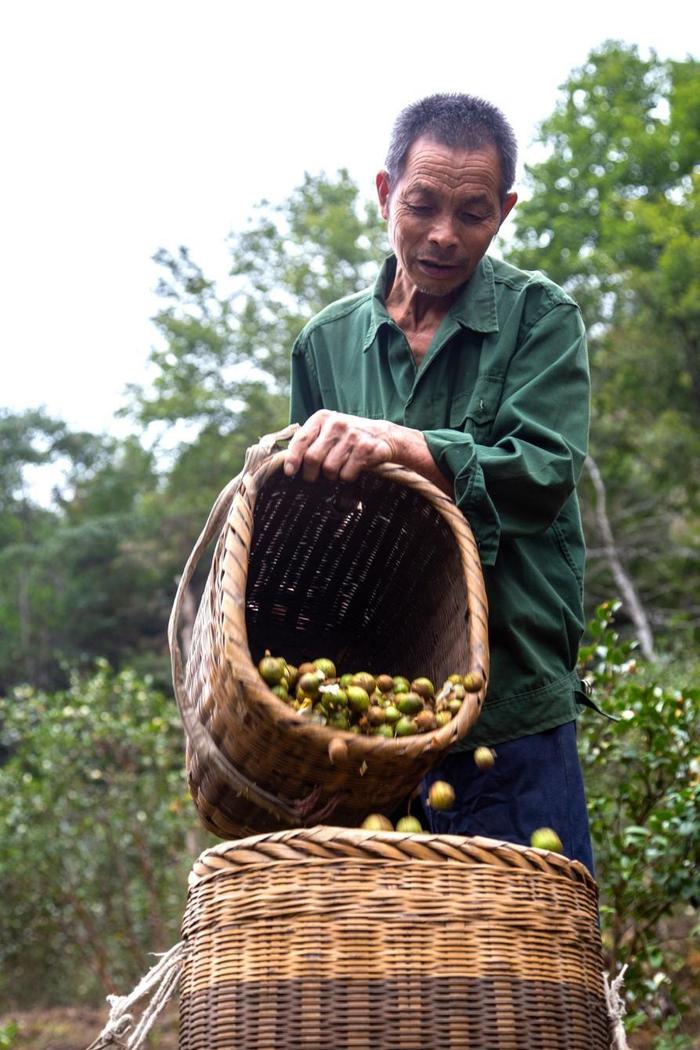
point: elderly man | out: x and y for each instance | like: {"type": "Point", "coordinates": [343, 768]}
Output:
{"type": "Point", "coordinates": [473, 374]}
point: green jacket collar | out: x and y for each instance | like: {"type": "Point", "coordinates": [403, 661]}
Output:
{"type": "Point", "coordinates": [474, 307]}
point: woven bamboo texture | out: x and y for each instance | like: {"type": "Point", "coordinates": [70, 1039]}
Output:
{"type": "Point", "coordinates": [338, 939]}
{"type": "Point", "coordinates": [382, 574]}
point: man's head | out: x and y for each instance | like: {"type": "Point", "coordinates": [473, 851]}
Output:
{"type": "Point", "coordinates": [446, 190]}
{"type": "Point", "coordinates": [458, 121]}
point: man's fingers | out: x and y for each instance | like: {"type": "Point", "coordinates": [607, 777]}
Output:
{"type": "Point", "coordinates": [297, 447]}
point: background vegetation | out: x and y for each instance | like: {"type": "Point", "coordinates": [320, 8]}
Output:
{"type": "Point", "coordinates": [97, 832]}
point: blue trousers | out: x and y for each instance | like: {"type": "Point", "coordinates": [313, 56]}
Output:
{"type": "Point", "coordinates": [536, 781]}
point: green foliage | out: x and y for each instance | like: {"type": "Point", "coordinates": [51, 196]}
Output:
{"type": "Point", "coordinates": [97, 836]}
{"type": "Point", "coordinates": [611, 212]}
{"type": "Point", "coordinates": [8, 1035]}
{"type": "Point", "coordinates": [643, 780]}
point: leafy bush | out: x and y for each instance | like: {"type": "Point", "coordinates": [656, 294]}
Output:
{"type": "Point", "coordinates": [643, 780]}
{"type": "Point", "coordinates": [97, 836]}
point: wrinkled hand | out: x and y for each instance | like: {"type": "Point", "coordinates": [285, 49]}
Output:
{"type": "Point", "coordinates": [339, 446]}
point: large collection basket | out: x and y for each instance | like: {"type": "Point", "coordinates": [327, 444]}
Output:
{"type": "Point", "coordinates": [382, 574]}
{"type": "Point", "coordinates": [340, 939]}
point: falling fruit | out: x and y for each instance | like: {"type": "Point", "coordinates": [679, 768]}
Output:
{"type": "Point", "coordinates": [484, 757]}
{"type": "Point", "coordinates": [441, 795]}
{"type": "Point", "coordinates": [546, 838]}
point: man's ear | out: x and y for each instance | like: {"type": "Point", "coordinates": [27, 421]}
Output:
{"type": "Point", "coordinates": [383, 192]}
{"type": "Point", "coordinates": [508, 205]}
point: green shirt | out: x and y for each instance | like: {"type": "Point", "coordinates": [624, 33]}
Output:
{"type": "Point", "coordinates": [502, 397]}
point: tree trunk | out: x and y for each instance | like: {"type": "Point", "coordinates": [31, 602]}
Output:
{"type": "Point", "coordinates": [627, 590]}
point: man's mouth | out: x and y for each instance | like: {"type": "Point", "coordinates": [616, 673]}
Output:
{"type": "Point", "coordinates": [437, 269]}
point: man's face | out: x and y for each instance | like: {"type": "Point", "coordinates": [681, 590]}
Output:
{"type": "Point", "coordinates": [443, 213]}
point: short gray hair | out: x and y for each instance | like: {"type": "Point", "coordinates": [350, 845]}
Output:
{"type": "Point", "coordinates": [457, 121]}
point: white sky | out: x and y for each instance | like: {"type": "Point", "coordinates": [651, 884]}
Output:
{"type": "Point", "coordinates": [129, 126]}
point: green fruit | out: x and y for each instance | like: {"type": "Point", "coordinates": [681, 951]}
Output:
{"type": "Point", "coordinates": [358, 698]}
{"type": "Point", "coordinates": [442, 718]}
{"type": "Point", "coordinates": [409, 824]}
{"type": "Point", "coordinates": [453, 706]}
{"type": "Point", "coordinates": [291, 675]}
{"type": "Point", "coordinates": [441, 795]}
{"type": "Point", "coordinates": [409, 703]}
{"type": "Point", "coordinates": [546, 838]}
{"type": "Point", "coordinates": [345, 680]}
{"type": "Point", "coordinates": [424, 687]}
{"type": "Point", "coordinates": [310, 683]}
{"type": "Point", "coordinates": [392, 713]}
{"type": "Point", "coordinates": [455, 679]}
{"type": "Point", "coordinates": [327, 666]}
{"type": "Point", "coordinates": [271, 669]}
{"type": "Point", "coordinates": [366, 681]}
{"type": "Point", "coordinates": [484, 757]}
{"type": "Point", "coordinates": [405, 727]}
{"type": "Point", "coordinates": [281, 691]}
{"type": "Point", "coordinates": [333, 697]}
{"type": "Point", "coordinates": [377, 822]}
{"type": "Point", "coordinates": [401, 685]}
{"type": "Point", "coordinates": [473, 682]}
{"type": "Point", "coordinates": [385, 731]}
{"type": "Point", "coordinates": [338, 720]}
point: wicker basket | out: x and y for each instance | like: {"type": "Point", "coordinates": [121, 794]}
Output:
{"type": "Point", "coordinates": [383, 575]}
{"type": "Point", "coordinates": [332, 939]}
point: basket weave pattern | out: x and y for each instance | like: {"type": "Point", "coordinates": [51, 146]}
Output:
{"type": "Point", "coordinates": [331, 938]}
{"type": "Point", "coordinates": [382, 574]}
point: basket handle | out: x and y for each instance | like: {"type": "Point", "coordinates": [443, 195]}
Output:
{"type": "Point", "coordinates": [199, 739]}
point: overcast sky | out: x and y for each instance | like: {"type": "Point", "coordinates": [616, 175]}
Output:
{"type": "Point", "coordinates": [129, 126]}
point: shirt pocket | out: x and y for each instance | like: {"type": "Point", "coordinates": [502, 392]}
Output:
{"type": "Point", "coordinates": [474, 411]}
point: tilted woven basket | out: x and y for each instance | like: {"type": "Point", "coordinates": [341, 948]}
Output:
{"type": "Point", "coordinates": [338, 939]}
{"type": "Point", "coordinates": [382, 575]}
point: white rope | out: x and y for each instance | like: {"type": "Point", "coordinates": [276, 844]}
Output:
{"type": "Point", "coordinates": [616, 1009]}
{"type": "Point", "coordinates": [164, 976]}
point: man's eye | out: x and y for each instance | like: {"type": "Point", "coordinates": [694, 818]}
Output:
{"type": "Point", "coordinates": [419, 209]}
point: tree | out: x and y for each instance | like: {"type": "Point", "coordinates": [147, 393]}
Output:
{"type": "Point", "coordinates": [223, 365]}
{"type": "Point", "coordinates": [612, 214]}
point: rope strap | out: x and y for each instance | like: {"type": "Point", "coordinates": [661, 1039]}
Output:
{"type": "Point", "coordinates": [163, 977]}
{"type": "Point", "coordinates": [616, 1009]}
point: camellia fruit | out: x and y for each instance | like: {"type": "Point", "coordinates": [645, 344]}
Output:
{"type": "Point", "coordinates": [484, 757]}
{"type": "Point", "coordinates": [271, 669]}
{"type": "Point", "coordinates": [473, 682]}
{"type": "Point", "coordinates": [441, 795]}
{"type": "Point", "coordinates": [546, 838]}
{"type": "Point", "coordinates": [377, 822]}
{"type": "Point", "coordinates": [411, 825]}
{"type": "Point", "coordinates": [325, 665]}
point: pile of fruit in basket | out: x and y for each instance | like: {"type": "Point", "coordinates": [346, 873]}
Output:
{"type": "Point", "coordinates": [359, 702]}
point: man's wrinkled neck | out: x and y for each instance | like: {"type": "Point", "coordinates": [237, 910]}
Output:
{"type": "Point", "coordinates": [416, 308]}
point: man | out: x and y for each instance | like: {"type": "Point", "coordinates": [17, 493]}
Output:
{"type": "Point", "coordinates": [473, 374]}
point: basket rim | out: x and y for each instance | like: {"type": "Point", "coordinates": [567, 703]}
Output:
{"type": "Point", "coordinates": [424, 847]}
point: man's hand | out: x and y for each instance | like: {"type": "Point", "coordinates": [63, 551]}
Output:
{"type": "Point", "coordinates": [340, 446]}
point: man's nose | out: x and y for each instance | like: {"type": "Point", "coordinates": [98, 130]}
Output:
{"type": "Point", "coordinates": [443, 233]}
